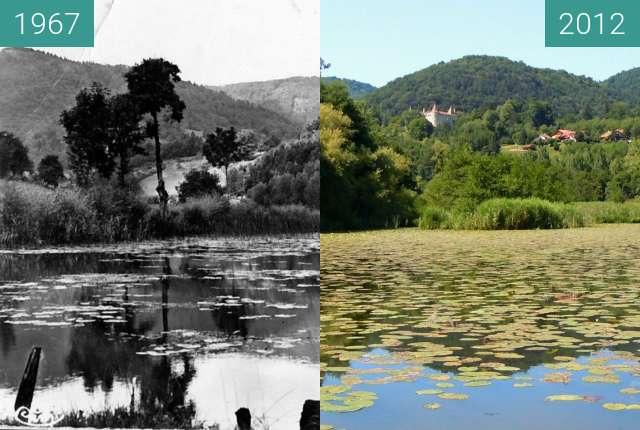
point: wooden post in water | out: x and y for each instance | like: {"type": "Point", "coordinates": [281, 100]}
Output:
{"type": "Point", "coordinates": [28, 383]}
{"type": "Point", "coordinates": [310, 417]}
{"type": "Point", "coordinates": [243, 417]}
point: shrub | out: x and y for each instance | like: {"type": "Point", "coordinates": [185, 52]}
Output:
{"type": "Point", "coordinates": [198, 183]}
{"type": "Point", "coordinates": [121, 213]}
{"type": "Point", "coordinates": [50, 170]}
{"type": "Point", "coordinates": [522, 214]}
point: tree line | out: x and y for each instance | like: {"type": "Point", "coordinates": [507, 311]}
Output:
{"type": "Point", "coordinates": [383, 171]}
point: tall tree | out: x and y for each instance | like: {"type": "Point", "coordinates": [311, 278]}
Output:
{"type": "Point", "coordinates": [14, 156]}
{"type": "Point", "coordinates": [126, 133]}
{"type": "Point", "coordinates": [88, 134]}
{"type": "Point", "coordinates": [223, 148]}
{"type": "Point", "coordinates": [50, 170]}
{"type": "Point", "coordinates": [152, 85]}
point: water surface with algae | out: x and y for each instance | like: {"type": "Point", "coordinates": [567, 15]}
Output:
{"type": "Point", "coordinates": [461, 330]}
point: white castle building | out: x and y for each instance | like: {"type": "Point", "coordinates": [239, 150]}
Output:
{"type": "Point", "coordinates": [437, 118]}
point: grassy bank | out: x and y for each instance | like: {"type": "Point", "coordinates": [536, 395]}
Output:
{"type": "Point", "coordinates": [34, 215]}
{"type": "Point", "coordinates": [524, 214]}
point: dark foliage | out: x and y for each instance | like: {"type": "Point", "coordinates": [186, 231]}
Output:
{"type": "Point", "coordinates": [125, 132]}
{"type": "Point", "coordinates": [88, 136]}
{"type": "Point", "coordinates": [289, 173]}
{"type": "Point", "coordinates": [14, 157]}
{"type": "Point", "coordinates": [222, 148]}
{"type": "Point", "coordinates": [50, 170]}
{"type": "Point", "coordinates": [199, 183]}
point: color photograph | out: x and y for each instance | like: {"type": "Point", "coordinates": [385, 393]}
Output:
{"type": "Point", "coordinates": [479, 199]}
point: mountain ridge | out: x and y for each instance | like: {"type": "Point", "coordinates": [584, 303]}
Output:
{"type": "Point", "coordinates": [478, 81]}
{"type": "Point", "coordinates": [35, 87]}
{"type": "Point", "coordinates": [357, 89]}
{"type": "Point", "coordinates": [296, 97]}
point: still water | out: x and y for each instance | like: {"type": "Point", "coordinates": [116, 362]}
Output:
{"type": "Point", "coordinates": [196, 328]}
{"type": "Point", "coordinates": [522, 330]}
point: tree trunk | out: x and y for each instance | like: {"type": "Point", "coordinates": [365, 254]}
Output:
{"type": "Point", "coordinates": [123, 169]}
{"type": "Point", "coordinates": [243, 419]}
{"type": "Point", "coordinates": [226, 178]}
{"type": "Point", "coordinates": [310, 417]}
{"type": "Point", "coordinates": [163, 196]}
{"type": "Point", "coordinates": [28, 383]}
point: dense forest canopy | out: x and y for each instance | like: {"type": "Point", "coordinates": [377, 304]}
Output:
{"type": "Point", "coordinates": [479, 82]}
{"type": "Point", "coordinates": [357, 89]}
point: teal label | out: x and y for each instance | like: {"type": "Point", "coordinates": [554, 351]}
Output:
{"type": "Point", "coordinates": [46, 23]}
{"type": "Point", "coordinates": [592, 23]}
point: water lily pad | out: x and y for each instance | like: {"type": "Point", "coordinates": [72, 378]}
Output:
{"type": "Point", "coordinates": [615, 406]}
{"type": "Point", "coordinates": [453, 396]}
{"type": "Point", "coordinates": [429, 392]}
{"type": "Point", "coordinates": [564, 398]}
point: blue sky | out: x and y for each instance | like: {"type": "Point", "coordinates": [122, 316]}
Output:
{"type": "Point", "coordinates": [376, 41]}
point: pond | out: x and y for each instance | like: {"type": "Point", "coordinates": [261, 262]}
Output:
{"type": "Point", "coordinates": [505, 330]}
{"type": "Point", "coordinates": [189, 331]}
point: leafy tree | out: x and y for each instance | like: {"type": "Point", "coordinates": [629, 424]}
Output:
{"type": "Point", "coordinates": [50, 170]}
{"type": "Point", "coordinates": [125, 132]}
{"type": "Point", "coordinates": [88, 134]}
{"type": "Point", "coordinates": [14, 156]}
{"type": "Point", "coordinates": [540, 113]}
{"type": "Point", "coordinates": [336, 94]}
{"type": "Point", "coordinates": [198, 183]}
{"type": "Point", "coordinates": [420, 128]}
{"type": "Point", "coordinates": [152, 86]}
{"type": "Point", "coordinates": [223, 148]}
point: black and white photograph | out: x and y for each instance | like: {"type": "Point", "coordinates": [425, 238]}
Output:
{"type": "Point", "coordinates": [159, 220]}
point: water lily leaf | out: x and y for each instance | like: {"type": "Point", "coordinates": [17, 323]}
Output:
{"type": "Point", "coordinates": [429, 392]}
{"type": "Point", "coordinates": [453, 396]}
{"type": "Point", "coordinates": [564, 398]}
{"type": "Point", "coordinates": [604, 379]}
{"type": "Point", "coordinates": [445, 385]}
{"type": "Point", "coordinates": [615, 406]}
{"type": "Point", "coordinates": [477, 384]}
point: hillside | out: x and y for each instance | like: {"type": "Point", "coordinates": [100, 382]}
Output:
{"type": "Point", "coordinates": [35, 87]}
{"type": "Point", "coordinates": [295, 98]}
{"type": "Point", "coordinates": [357, 89]}
{"type": "Point", "coordinates": [627, 85]}
{"type": "Point", "coordinates": [480, 81]}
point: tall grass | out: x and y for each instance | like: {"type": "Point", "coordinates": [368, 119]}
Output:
{"type": "Point", "coordinates": [523, 214]}
{"type": "Point", "coordinates": [35, 215]}
{"type": "Point", "coordinates": [610, 212]}
{"type": "Point", "coordinates": [505, 214]}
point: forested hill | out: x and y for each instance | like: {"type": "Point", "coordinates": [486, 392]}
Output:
{"type": "Point", "coordinates": [626, 85]}
{"type": "Point", "coordinates": [357, 89]}
{"type": "Point", "coordinates": [35, 87]}
{"type": "Point", "coordinates": [482, 81]}
{"type": "Point", "coordinates": [295, 98]}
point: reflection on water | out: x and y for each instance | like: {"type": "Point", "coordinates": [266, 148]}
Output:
{"type": "Point", "coordinates": [187, 331]}
{"type": "Point", "coordinates": [500, 330]}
